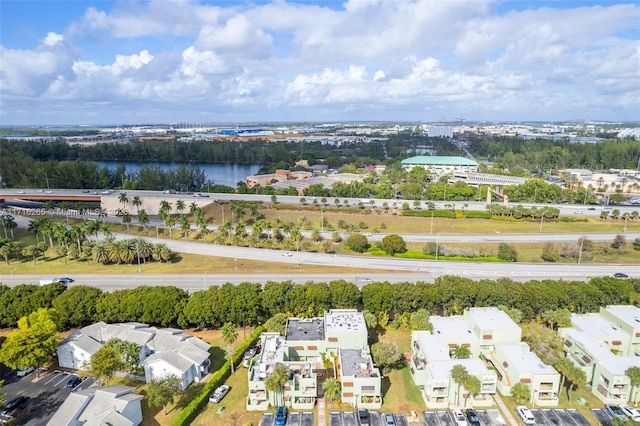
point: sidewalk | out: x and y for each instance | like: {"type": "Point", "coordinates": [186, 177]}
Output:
{"type": "Point", "coordinates": [321, 413]}
{"type": "Point", "coordinates": [506, 414]}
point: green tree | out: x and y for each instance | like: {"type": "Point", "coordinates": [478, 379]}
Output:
{"type": "Point", "coordinates": [472, 384]}
{"type": "Point", "coordinates": [332, 389]}
{"type": "Point", "coordinates": [619, 241]}
{"type": "Point", "coordinates": [549, 253]}
{"type": "Point", "coordinates": [564, 367]}
{"type": "Point", "coordinates": [393, 244]}
{"type": "Point", "coordinates": [77, 305]}
{"type": "Point", "coordinates": [276, 380]}
{"type": "Point", "coordinates": [459, 374]}
{"type": "Point", "coordinates": [129, 352]}
{"type": "Point", "coordinates": [576, 378]}
{"type": "Point", "coordinates": [521, 393]}
{"type": "Point", "coordinates": [162, 391]}
{"type": "Point", "coordinates": [34, 341]}
{"type": "Point", "coordinates": [386, 354]}
{"type": "Point", "coordinates": [507, 252]}
{"type": "Point", "coordinates": [370, 319]}
{"type": "Point", "coordinates": [461, 352]}
{"type": "Point", "coordinates": [419, 320]}
{"type": "Point", "coordinates": [543, 341]}
{"type": "Point", "coordinates": [634, 379]}
{"type": "Point", "coordinates": [277, 324]}
{"type": "Point", "coordinates": [104, 363]}
{"type": "Point", "coordinates": [229, 335]}
{"type": "Point", "coordinates": [357, 243]}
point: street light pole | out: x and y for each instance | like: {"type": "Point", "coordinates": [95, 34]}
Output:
{"type": "Point", "coordinates": [541, 220]}
{"type": "Point", "coordinates": [432, 222]}
{"type": "Point", "coordinates": [12, 282]}
{"type": "Point", "coordinates": [204, 280]}
{"type": "Point", "coordinates": [47, 179]}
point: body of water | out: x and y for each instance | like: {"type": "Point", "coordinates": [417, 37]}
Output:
{"type": "Point", "coordinates": [218, 174]}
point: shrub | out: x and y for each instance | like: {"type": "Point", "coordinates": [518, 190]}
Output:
{"type": "Point", "coordinates": [357, 243]}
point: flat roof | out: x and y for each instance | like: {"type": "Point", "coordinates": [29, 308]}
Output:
{"type": "Point", "coordinates": [356, 362]}
{"type": "Point", "coordinates": [439, 160]}
{"type": "Point", "coordinates": [342, 321]}
{"type": "Point", "coordinates": [432, 346]}
{"type": "Point", "coordinates": [305, 329]}
{"type": "Point", "coordinates": [628, 314]}
{"type": "Point", "coordinates": [492, 319]}
{"type": "Point", "coordinates": [596, 349]}
{"type": "Point", "coordinates": [451, 327]}
{"type": "Point", "coordinates": [525, 361]}
{"type": "Point", "coordinates": [596, 326]}
{"type": "Point", "coordinates": [618, 365]}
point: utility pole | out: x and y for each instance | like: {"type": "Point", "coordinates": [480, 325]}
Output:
{"type": "Point", "coordinates": [580, 254]}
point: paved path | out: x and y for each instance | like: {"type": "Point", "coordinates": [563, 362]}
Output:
{"type": "Point", "coordinates": [505, 411]}
{"type": "Point", "coordinates": [321, 413]}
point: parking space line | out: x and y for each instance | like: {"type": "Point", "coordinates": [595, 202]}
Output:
{"type": "Point", "coordinates": [64, 377]}
{"type": "Point", "coordinates": [54, 376]}
{"type": "Point", "coordinates": [79, 387]}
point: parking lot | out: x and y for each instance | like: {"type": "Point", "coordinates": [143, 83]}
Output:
{"type": "Point", "coordinates": [294, 418]}
{"type": "Point", "coordinates": [604, 418]}
{"type": "Point", "coordinates": [350, 418]}
{"type": "Point", "coordinates": [45, 394]}
{"type": "Point", "coordinates": [543, 416]}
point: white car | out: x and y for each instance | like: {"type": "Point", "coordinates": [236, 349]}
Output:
{"type": "Point", "coordinates": [287, 254]}
{"type": "Point", "coordinates": [632, 413]}
{"type": "Point", "coordinates": [461, 419]}
{"type": "Point", "coordinates": [24, 371]}
{"type": "Point", "coordinates": [525, 415]}
{"type": "Point", "coordinates": [21, 192]}
{"type": "Point", "coordinates": [366, 280]}
{"type": "Point", "coordinates": [219, 393]}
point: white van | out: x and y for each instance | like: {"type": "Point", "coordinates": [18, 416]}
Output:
{"type": "Point", "coordinates": [45, 281]}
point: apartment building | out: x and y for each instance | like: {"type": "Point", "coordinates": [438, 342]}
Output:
{"type": "Point", "coordinates": [498, 360]}
{"type": "Point", "coordinates": [340, 336]}
{"type": "Point", "coordinates": [605, 346]}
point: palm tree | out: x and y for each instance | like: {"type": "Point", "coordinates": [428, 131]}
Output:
{"type": "Point", "coordinates": [137, 202]}
{"type": "Point", "coordinates": [459, 375]}
{"type": "Point", "coordinates": [325, 246]}
{"type": "Point", "coordinates": [102, 213]}
{"type": "Point", "coordinates": [114, 251]}
{"type": "Point", "coordinates": [229, 335]}
{"type": "Point", "coordinates": [165, 208]}
{"type": "Point", "coordinates": [316, 235]}
{"type": "Point", "coordinates": [332, 388]}
{"type": "Point", "coordinates": [128, 250]}
{"type": "Point", "coordinates": [35, 226]}
{"type": "Point", "coordinates": [461, 352]}
{"type": "Point", "coordinates": [193, 207]}
{"type": "Point", "coordinates": [100, 253]}
{"type": "Point", "coordinates": [143, 219]}
{"type": "Point", "coordinates": [184, 225]}
{"type": "Point", "coordinates": [122, 198]}
{"type": "Point", "coordinates": [77, 233]}
{"type": "Point", "coordinates": [169, 223]}
{"type": "Point", "coordinates": [472, 384]}
{"type": "Point", "coordinates": [9, 223]}
{"type": "Point", "coordinates": [634, 379]}
{"type": "Point", "coordinates": [276, 380]}
{"type": "Point", "coordinates": [180, 205]}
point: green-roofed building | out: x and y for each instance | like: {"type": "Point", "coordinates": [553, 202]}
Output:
{"type": "Point", "coordinates": [440, 165]}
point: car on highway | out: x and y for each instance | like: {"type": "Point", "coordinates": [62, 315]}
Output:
{"type": "Point", "coordinates": [458, 415]}
{"type": "Point", "coordinates": [368, 234]}
{"type": "Point", "coordinates": [21, 192]}
{"type": "Point", "coordinates": [74, 382]}
{"type": "Point", "coordinates": [366, 280]}
{"type": "Point", "coordinates": [12, 407]}
{"type": "Point", "coordinates": [94, 193]}
{"type": "Point", "coordinates": [105, 192]}
{"type": "Point", "coordinates": [620, 275]}
{"type": "Point", "coordinates": [578, 212]}
{"type": "Point", "coordinates": [281, 416]}
{"type": "Point", "coordinates": [24, 371]}
{"type": "Point", "coordinates": [8, 216]}
{"type": "Point", "coordinates": [64, 280]}
{"type": "Point", "coordinates": [591, 208]}
{"type": "Point", "coordinates": [615, 411]}
{"type": "Point", "coordinates": [48, 191]}
{"type": "Point", "coordinates": [631, 413]}
{"type": "Point", "coordinates": [526, 415]}
{"type": "Point", "coordinates": [472, 417]}
{"type": "Point", "coordinates": [287, 254]}
{"type": "Point", "coordinates": [219, 394]}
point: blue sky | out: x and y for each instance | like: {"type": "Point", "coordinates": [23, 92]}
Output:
{"type": "Point", "coordinates": [126, 62]}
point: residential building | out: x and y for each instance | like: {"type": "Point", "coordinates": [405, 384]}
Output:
{"type": "Point", "coordinates": [162, 351]}
{"type": "Point", "coordinates": [339, 336]}
{"type": "Point", "coordinates": [605, 346]}
{"type": "Point", "coordinates": [493, 339]}
{"type": "Point", "coordinates": [441, 165]}
{"type": "Point", "coordinates": [115, 405]}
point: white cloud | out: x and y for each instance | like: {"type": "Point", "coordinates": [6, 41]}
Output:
{"type": "Point", "coordinates": [425, 56]}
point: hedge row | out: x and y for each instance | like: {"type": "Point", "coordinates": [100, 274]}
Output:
{"type": "Point", "coordinates": [413, 254]}
{"type": "Point", "coordinates": [199, 402]}
{"type": "Point", "coordinates": [428, 213]}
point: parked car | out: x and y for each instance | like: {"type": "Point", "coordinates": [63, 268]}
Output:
{"type": "Point", "coordinates": [24, 371]}
{"type": "Point", "coordinates": [472, 417]}
{"type": "Point", "coordinates": [13, 406]}
{"type": "Point", "coordinates": [389, 419]}
{"type": "Point", "coordinates": [632, 413]}
{"type": "Point", "coordinates": [615, 411]}
{"type": "Point", "coordinates": [363, 417]}
{"type": "Point", "coordinates": [74, 382]}
{"type": "Point", "coordinates": [620, 275]}
{"type": "Point", "coordinates": [219, 393]}
{"type": "Point", "coordinates": [248, 354]}
{"type": "Point", "coordinates": [458, 415]}
{"type": "Point", "coordinates": [281, 416]}
{"type": "Point", "coordinates": [525, 415]}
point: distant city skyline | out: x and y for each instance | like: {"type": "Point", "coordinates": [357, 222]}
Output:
{"type": "Point", "coordinates": [124, 62]}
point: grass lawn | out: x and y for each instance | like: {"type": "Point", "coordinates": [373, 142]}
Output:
{"type": "Point", "coordinates": [399, 393]}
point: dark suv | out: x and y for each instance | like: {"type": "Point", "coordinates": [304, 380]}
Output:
{"type": "Point", "coordinates": [472, 417]}
{"type": "Point", "coordinates": [13, 406]}
{"type": "Point", "coordinates": [363, 417]}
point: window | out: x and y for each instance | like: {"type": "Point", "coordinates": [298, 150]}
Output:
{"type": "Point", "coordinates": [347, 384]}
{"type": "Point", "coordinates": [368, 390]}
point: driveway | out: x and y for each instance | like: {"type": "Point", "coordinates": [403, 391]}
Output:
{"type": "Point", "coordinates": [45, 394]}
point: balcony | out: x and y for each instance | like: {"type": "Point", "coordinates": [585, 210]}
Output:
{"type": "Point", "coordinates": [419, 363]}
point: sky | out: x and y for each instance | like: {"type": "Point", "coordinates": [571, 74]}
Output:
{"type": "Point", "coordinates": [175, 61]}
